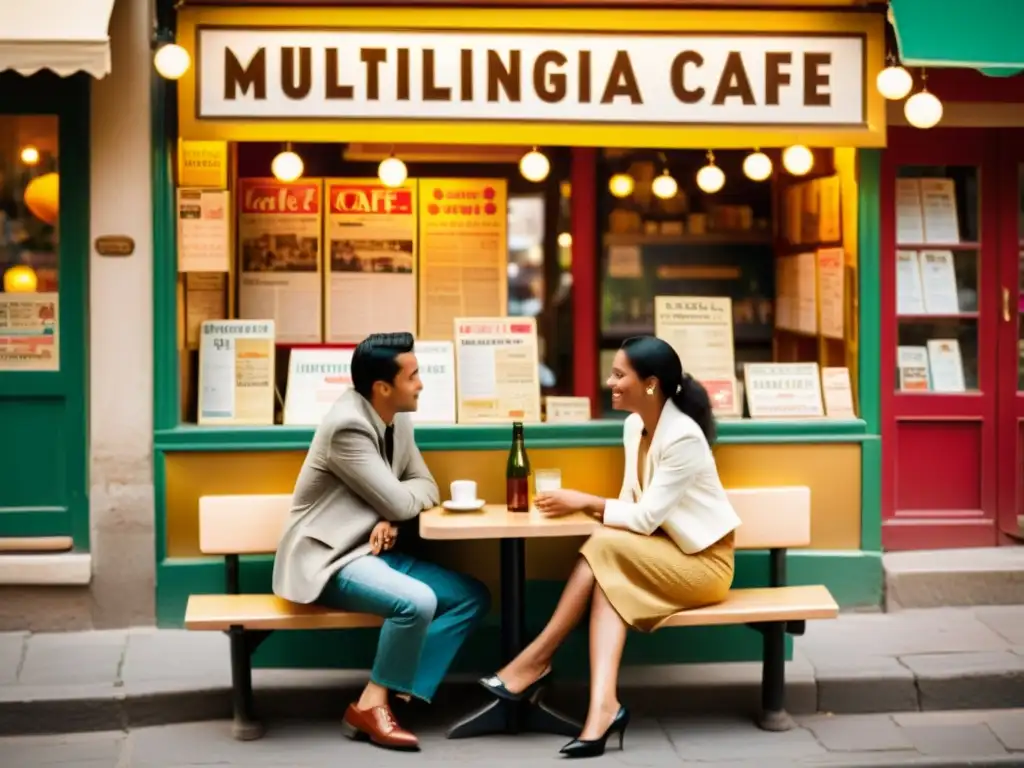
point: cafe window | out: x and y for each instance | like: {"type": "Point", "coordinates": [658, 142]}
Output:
{"type": "Point", "coordinates": [335, 255]}
{"type": "Point", "coordinates": [732, 258]}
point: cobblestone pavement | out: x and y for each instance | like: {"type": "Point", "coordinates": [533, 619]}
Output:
{"type": "Point", "coordinates": [967, 737]}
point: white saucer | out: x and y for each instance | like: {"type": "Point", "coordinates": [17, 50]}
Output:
{"type": "Point", "coordinates": [463, 506]}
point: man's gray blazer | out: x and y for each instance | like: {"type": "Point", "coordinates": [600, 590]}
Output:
{"type": "Point", "coordinates": [344, 489]}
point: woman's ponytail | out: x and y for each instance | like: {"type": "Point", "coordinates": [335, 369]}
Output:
{"type": "Point", "coordinates": [692, 399]}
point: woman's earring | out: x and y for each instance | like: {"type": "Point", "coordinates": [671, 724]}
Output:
{"type": "Point", "coordinates": [650, 390]}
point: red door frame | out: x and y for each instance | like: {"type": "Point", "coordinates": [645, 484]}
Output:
{"type": "Point", "coordinates": [1011, 399]}
{"type": "Point", "coordinates": [941, 528]}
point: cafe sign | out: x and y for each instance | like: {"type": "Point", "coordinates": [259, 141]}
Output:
{"type": "Point", "coordinates": [735, 79]}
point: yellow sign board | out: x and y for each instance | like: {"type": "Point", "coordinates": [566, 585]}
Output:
{"type": "Point", "coordinates": [570, 77]}
{"type": "Point", "coordinates": [203, 164]}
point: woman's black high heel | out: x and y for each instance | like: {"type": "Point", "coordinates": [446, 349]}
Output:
{"type": "Point", "coordinates": [495, 685]}
{"type": "Point", "coordinates": [595, 747]}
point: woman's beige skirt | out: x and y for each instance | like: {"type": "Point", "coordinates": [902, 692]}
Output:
{"type": "Point", "coordinates": [648, 578]}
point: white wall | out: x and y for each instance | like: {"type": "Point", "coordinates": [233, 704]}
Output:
{"type": "Point", "coordinates": [121, 330]}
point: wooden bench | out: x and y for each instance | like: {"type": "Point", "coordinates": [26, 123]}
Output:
{"type": "Point", "coordinates": [774, 519]}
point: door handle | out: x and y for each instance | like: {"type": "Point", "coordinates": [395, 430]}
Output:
{"type": "Point", "coordinates": [1006, 304]}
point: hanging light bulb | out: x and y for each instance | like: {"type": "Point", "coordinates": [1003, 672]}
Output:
{"type": "Point", "coordinates": [20, 279]}
{"type": "Point", "coordinates": [392, 172]}
{"type": "Point", "coordinates": [923, 109]}
{"type": "Point", "coordinates": [29, 155]}
{"type": "Point", "coordinates": [664, 186]}
{"type": "Point", "coordinates": [710, 178]}
{"type": "Point", "coordinates": [894, 82]}
{"type": "Point", "coordinates": [534, 165]}
{"type": "Point", "coordinates": [798, 160]}
{"type": "Point", "coordinates": [171, 61]}
{"type": "Point", "coordinates": [621, 185]}
{"type": "Point", "coordinates": [287, 166]}
{"type": "Point", "coordinates": [565, 240]}
{"type": "Point", "coordinates": [757, 166]}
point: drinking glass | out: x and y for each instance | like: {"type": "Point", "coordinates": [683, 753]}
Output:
{"type": "Point", "coordinates": [548, 480]}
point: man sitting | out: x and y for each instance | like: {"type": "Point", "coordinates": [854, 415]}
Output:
{"type": "Point", "coordinates": [362, 475]}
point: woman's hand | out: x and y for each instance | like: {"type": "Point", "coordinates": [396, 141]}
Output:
{"type": "Point", "coordinates": [564, 502]}
{"type": "Point", "coordinates": [382, 537]}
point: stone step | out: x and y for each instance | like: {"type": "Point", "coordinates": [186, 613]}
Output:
{"type": "Point", "coordinates": [954, 577]}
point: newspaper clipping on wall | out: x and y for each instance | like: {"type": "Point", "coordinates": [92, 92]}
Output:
{"type": "Point", "coordinates": [498, 370]}
{"type": "Point", "coordinates": [370, 237]}
{"type": "Point", "coordinates": [279, 230]}
{"type": "Point", "coordinates": [236, 372]}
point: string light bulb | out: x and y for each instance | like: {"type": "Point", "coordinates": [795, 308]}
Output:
{"type": "Point", "coordinates": [621, 185]}
{"type": "Point", "coordinates": [923, 109]}
{"type": "Point", "coordinates": [29, 155]}
{"type": "Point", "coordinates": [798, 160]}
{"type": "Point", "coordinates": [710, 178]}
{"type": "Point", "coordinates": [534, 165]}
{"type": "Point", "coordinates": [287, 166]}
{"type": "Point", "coordinates": [171, 61]}
{"type": "Point", "coordinates": [757, 166]}
{"type": "Point", "coordinates": [392, 172]}
{"type": "Point", "coordinates": [665, 187]}
{"type": "Point", "coordinates": [20, 278]}
{"type": "Point", "coordinates": [894, 82]}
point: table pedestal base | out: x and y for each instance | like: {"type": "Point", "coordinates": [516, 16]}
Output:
{"type": "Point", "coordinates": [504, 716]}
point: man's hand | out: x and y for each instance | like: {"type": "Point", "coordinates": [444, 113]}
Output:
{"type": "Point", "coordinates": [382, 537]}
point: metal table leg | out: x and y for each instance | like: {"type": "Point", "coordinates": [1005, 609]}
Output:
{"type": "Point", "coordinates": [502, 715]}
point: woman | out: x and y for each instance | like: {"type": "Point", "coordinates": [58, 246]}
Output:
{"type": "Point", "coordinates": [667, 544]}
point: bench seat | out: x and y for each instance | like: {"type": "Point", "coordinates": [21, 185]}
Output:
{"type": "Point", "coordinates": [761, 604]}
{"type": "Point", "coordinates": [268, 612]}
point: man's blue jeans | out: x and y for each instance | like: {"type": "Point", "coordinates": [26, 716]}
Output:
{"type": "Point", "coordinates": [429, 612]}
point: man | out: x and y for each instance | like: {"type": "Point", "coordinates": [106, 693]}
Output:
{"type": "Point", "coordinates": [362, 475]}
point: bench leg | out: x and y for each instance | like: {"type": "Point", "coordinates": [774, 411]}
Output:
{"type": "Point", "coordinates": [245, 726]}
{"type": "Point", "coordinates": [773, 679]}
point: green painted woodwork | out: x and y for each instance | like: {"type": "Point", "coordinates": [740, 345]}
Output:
{"type": "Point", "coordinates": [869, 241]}
{"type": "Point", "coordinates": [855, 579]}
{"type": "Point", "coordinates": [43, 417]}
{"type": "Point", "coordinates": [953, 33]}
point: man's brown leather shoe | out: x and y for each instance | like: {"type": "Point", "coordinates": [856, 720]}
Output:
{"type": "Point", "coordinates": [379, 726]}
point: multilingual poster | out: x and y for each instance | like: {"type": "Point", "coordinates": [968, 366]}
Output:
{"type": "Point", "coordinates": [279, 231]}
{"type": "Point", "coordinates": [236, 372]}
{"type": "Point", "coordinates": [463, 252]}
{"type": "Point", "coordinates": [370, 238]}
{"type": "Point", "coordinates": [498, 370]}
{"type": "Point", "coordinates": [29, 332]}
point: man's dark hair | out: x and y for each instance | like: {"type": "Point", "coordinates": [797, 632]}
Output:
{"type": "Point", "coordinates": [376, 359]}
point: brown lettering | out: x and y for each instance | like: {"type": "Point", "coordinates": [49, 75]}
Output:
{"type": "Point", "coordinates": [238, 78]}
{"type": "Point", "coordinates": [373, 58]}
{"type": "Point", "coordinates": [431, 90]}
{"type": "Point", "coordinates": [584, 77]}
{"type": "Point", "coordinates": [402, 83]}
{"type": "Point", "coordinates": [466, 74]}
{"type": "Point", "coordinates": [301, 89]}
{"type": "Point", "coordinates": [774, 77]}
{"type": "Point", "coordinates": [678, 75]}
{"type": "Point", "coordinates": [621, 81]}
{"type": "Point", "coordinates": [332, 88]}
{"type": "Point", "coordinates": [550, 86]}
{"type": "Point", "coordinates": [815, 79]}
{"type": "Point", "coordinates": [506, 77]}
{"type": "Point", "coordinates": [734, 81]}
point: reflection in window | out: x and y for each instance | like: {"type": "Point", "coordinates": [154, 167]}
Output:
{"type": "Point", "coordinates": [28, 203]}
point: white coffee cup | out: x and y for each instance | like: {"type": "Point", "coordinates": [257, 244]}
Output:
{"type": "Point", "coordinates": [463, 491]}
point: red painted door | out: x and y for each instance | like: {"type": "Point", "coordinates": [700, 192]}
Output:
{"type": "Point", "coordinates": [940, 307]}
{"type": "Point", "coordinates": [1010, 348]}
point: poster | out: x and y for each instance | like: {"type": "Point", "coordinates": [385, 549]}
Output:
{"type": "Point", "coordinates": [831, 292]}
{"type": "Point", "coordinates": [205, 298]}
{"type": "Point", "coordinates": [437, 372]}
{"type": "Point", "coordinates": [204, 230]}
{"type": "Point", "coordinates": [463, 252]}
{"type": "Point", "coordinates": [236, 372]}
{"type": "Point", "coordinates": [29, 332]}
{"type": "Point", "coordinates": [202, 164]}
{"type": "Point", "coordinates": [567, 410]}
{"type": "Point", "coordinates": [370, 240]}
{"type": "Point", "coordinates": [279, 230]}
{"type": "Point", "coordinates": [837, 393]}
{"type": "Point", "coordinates": [316, 379]}
{"type": "Point", "coordinates": [783, 390]}
{"type": "Point", "coordinates": [699, 329]}
{"type": "Point", "coordinates": [498, 370]}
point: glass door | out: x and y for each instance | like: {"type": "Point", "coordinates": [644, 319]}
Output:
{"type": "Point", "coordinates": [1010, 349]}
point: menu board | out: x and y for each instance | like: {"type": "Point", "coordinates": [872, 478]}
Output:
{"type": "Point", "coordinates": [370, 241]}
{"type": "Point", "coordinates": [567, 410]}
{"type": "Point", "coordinates": [204, 230]}
{"type": "Point", "coordinates": [316, 379]}
{"type": "Point", "coordinates": [279, 230]}
{"type": "Point", "coordinates": [837, 393]}
{"type": "Point", "coordinates": [699, 329]}
{"type": "Point", "coordinates": [831, 293]}
{"type": "Point", "coordinates": [783, 390]}
{"type": "Point", "coordinates": [463, 252]}
{"type": "Point", "coordinates": [236, 372]}
{"type": "Point", "coordinates": [498, 370]}
{"type": "Point", "coordinates": [29, 332]}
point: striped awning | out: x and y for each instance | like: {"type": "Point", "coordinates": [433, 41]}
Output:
{"type": "Point", "coordinates": [65, 36]}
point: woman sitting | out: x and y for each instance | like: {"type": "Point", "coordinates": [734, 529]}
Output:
{"type": "Point", "coordinates": [667, 544]}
